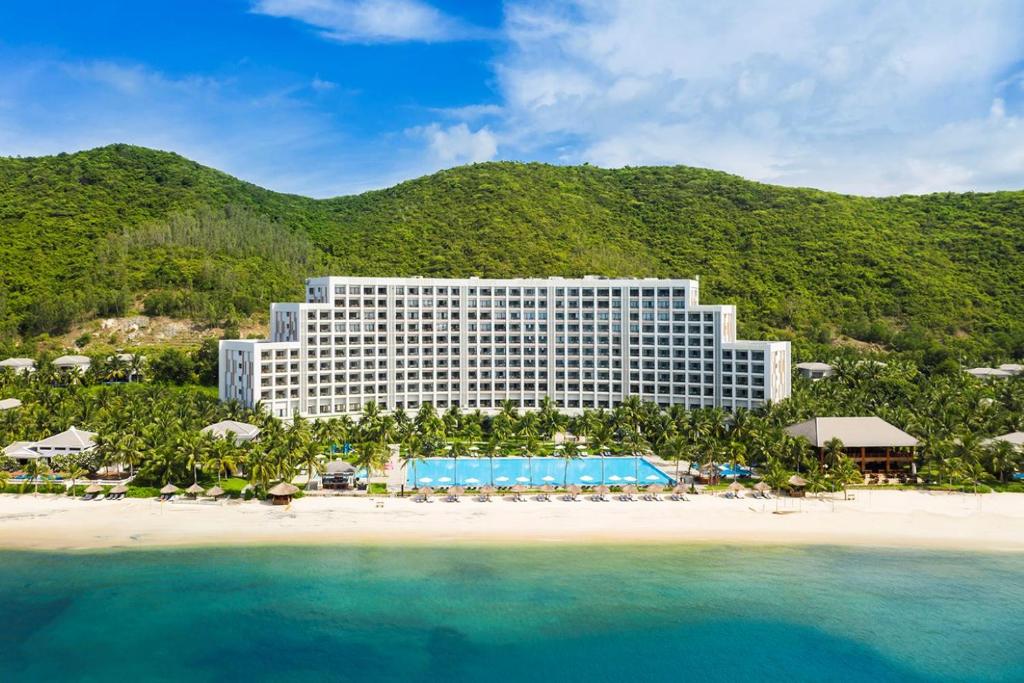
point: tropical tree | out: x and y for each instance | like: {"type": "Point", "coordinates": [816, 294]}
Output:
{"type": "Point", "coordinates": [844, 472]}
{"type": "Point", "coordinates": [1003, 457]}
{"type": "Point", "coordinates": [370, 456]}
{"type": "Point", "coordinates": [776, 475]}
{"type": "Point", "coordinates": [311, 458]}
{"type": "Point", "coordinates": [833, 451]}
{"type": "Point", "coordinates": [221, 458]}
{"type": "Point", "coordinates": [37, 469]}
{"type": "Point", "coordinates": [74, 475]}
{"type": "Point", "coordinates": [570, 452]}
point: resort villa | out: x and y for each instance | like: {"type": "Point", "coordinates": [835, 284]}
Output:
{"type": "Point", "coordinates": [72, 363]}
{"type": "Point", "coordinates": [475, 343]}
{"type": "Point", "coordinates": [242, 432]}
{"type": "Point", "coordinates": [18, 365]}
{"type": "Point", "coordinates": [67, 442]}
{"type": "Point", "coordinates": [873, 444]}
{"type": "Point", "coordinates": [815, 371]}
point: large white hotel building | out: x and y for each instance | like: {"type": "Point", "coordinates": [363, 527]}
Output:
{"type": "Point", "coordinates": [474, 343]}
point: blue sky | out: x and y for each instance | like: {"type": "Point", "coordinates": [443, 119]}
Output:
{"type": "Point", "coordinates": [327, 97]}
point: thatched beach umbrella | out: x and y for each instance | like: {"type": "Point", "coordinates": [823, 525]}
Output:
{"type": "Point", "coordinates": [517, 492]}
{"type": "Point", "coordinates": [573, 490]}
{"type": "Point", "coordinates": [797, 481]}
{"type": "Point", "coordinates": [736, 487]}
{"type": "Point", "coordinates": [169, 490]}
{"type": "Point", "coordinates": [282, 493]}
{"type": "Point", "coordinates": [119, 489]}
{"type": "Point", "coordinates": [762, 487]}
{"type": "Point", "coordinates": [655, 489]}
{"type": "Point", "coordinates": [194, 490]}
{"type": "Point", "coordinates": [215, 492]}
{"type": "Point", "coordinates": [94, 489]}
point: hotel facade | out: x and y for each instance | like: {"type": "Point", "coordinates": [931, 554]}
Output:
{"type": "Point", "coordinates": [475, 343]}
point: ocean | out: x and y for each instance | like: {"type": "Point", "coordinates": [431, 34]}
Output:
{"type": "Point", "coordinates": [604, 613]}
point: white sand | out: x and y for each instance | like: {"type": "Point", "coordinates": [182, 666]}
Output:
{"type": "Point", "coordinates": [876, 518]}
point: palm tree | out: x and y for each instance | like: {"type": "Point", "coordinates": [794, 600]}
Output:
{"type": "Point", "coordinates": [371, 456]}
{"type": "Point", "coordinates": [261, 468]}
{"type": "Point", "coordinates": [75, 474]}
{"type": "Point", "coordinates": [193, 447]}
{"type": "Point", "coordinates": [570, 451]}
{"type": "Point", "coordinates": [37, 469]}
{"type": "Point", "coordinates": [1003, 457]}
{"type": "Point", "coordinates": [221, 458]}
{"type": "Point", "coordinates": [489, 450]}
{"type": "Point", "coordinates": [844, 472]}
{"type": "Point", "coordinates": [776, 476]}
{"type": "Point", "coordinates": [310, 457]}
{"type": "Point", "coordinates": [458, 449]}
{"type": "Point", "coordinates": [834, 451]}
{"type": "Point", "coordinates": [5, 478]}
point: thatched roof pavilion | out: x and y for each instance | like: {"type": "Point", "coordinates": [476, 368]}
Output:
{"type": "Point", "coordinates": [281, 494]}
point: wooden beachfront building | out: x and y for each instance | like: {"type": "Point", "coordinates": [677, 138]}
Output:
{"type": "Point", "coordinates": [873, 444]}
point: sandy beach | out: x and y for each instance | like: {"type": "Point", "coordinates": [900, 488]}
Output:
{"type": "Point", "coordinates": [992, 522]}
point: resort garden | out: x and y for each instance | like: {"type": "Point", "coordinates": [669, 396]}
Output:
{"type": "Point", "coordinates": [151, 431]}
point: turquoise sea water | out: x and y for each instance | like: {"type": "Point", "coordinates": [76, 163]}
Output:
{"type": "Point", "coordinates": [466, 614]}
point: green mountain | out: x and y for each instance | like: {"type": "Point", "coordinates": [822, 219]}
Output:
{"type": "Point", "coordinates": [109, 230]}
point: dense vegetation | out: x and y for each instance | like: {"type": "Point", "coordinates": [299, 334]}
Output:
{"type": "Point", "coordinates": [117, 228]}
{"type": "Point", "coordinates": [153, 428]}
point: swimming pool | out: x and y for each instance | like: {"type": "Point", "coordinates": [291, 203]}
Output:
{"type": "Point", "coordinates": [509, 471]}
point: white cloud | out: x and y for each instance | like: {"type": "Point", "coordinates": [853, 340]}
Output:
{"type": "Point", "coordinates": [371, 21]}
{"type": "Point", "coordinates": [873, 97]}
{"type": "Point", "coordinates": [321, 85]}
{"type": "Point", "coordinates": [470, 112]}
{"type": "Point", "coordinates": [458, 144]}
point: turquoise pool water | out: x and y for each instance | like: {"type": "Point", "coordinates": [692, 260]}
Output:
{"type": "Point", "coordinates": [509, 471]}
{"type": "Point", "coordinates": [659, 613]}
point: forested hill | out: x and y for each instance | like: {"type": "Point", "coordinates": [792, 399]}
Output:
{"type": "Point", "coordinates": [119, 228]}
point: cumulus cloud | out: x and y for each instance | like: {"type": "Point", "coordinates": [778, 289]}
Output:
{"type": "Point", "coordinates": [458, 144]}
{"type": "Point", "coordinates": [867, 97]}
{"type": "Point", "coordinates": [371, 21]}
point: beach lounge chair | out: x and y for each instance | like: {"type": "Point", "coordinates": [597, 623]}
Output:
{"type": "Point", "coordinates": [517, 493]}
{"type": "Point", "coordinates": [572, 493]}
{"type": "Point", "coordinates": [485, 494]}
{"type": "Point", "coordinates": [628, 493]}
{"type": "Point", "coordinates": [454, 493]}
{"type": "Point", "coordinates": [545, 493]}
{"type": "Point", "coordinates": [679, 492]}
{"type": "Point", "coordinates": [653, 492]}
{"type": "Point", "coordinates": [89, 496]}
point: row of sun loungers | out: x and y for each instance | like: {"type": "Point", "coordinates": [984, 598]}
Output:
{"type": "Point", "coordinates": [572, 494]}
{"type": "Point", "coordinates": [100, 496]}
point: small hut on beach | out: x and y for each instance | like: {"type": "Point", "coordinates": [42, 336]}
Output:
{"type": "Point", "coordinates": [796, 486]}
{"type": "Point", "coordinates": [194, 490]}
{"type": "Point", "coordinates": [215, 492]}
{"type": "Point", "coordinates": [281, 494]}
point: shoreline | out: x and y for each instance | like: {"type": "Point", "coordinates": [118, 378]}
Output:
{"type": "Point", "coordinates": [992, 522]}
